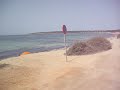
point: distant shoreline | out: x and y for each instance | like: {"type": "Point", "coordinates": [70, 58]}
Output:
{"type": "Point", "coordinates": [52, 32]}
{"type": "Point", "coordinates": [77, 31]}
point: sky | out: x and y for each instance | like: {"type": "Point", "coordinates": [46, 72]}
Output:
{"type": "Point", "coordinates": [29, 16]}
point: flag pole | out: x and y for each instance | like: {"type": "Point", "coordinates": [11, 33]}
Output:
{"type": "Point", "coordinates": [64, 29]}
{"type": "Point", "coordinates": [65, 46]}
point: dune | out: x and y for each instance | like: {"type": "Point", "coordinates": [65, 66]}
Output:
{"type": "Point", "coordinates": [50, 71]}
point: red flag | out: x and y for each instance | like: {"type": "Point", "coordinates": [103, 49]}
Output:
{"type": "Point", "coordinates": [64, 29]}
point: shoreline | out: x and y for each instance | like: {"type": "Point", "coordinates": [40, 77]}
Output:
{"type": "Point", "coordinates": [34, 49]}
{"type": "Point", "coordinates": [16, 53]}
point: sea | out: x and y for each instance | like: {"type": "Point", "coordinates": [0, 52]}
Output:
{"type": "Point", "coordinates": [14, 45]}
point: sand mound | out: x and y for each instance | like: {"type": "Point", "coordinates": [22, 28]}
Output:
{"type": "Point", "coordinates": [91, 46]}
{"type": "Point", "coordinates": [118, 36]}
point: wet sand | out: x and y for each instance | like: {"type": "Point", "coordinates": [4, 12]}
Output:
{"type": "Point", "coordinates": [50, 71]}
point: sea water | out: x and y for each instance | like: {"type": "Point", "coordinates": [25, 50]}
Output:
{"type": "Point", "coordinates": [13, 45]}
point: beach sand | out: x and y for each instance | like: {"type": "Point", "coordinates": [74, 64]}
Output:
{"type": "Point", "coordinates": [50, 71]}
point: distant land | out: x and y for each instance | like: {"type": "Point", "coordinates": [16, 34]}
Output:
{"type": "Point", "coordinates": [118, 30]}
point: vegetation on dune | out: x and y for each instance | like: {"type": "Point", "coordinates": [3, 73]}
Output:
{"type": "Point", "coordinates": [3, 65]}
{"type": "Point", "coordinates": [118, 36]}
{"type": "Point", "coordinates": [91, 46]}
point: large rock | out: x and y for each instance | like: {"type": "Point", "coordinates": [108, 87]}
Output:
{"type": "Point", "coordinates": [91, 46]}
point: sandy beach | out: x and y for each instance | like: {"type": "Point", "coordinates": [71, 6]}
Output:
{"type": "Point", "coordinates": [50, 71]}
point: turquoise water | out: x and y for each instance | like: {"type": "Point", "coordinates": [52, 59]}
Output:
{"type": "Point", "coordinates": [12, 44]}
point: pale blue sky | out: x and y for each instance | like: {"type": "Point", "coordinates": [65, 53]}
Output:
{"type": "Point", "coordinates": [27, 16]}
